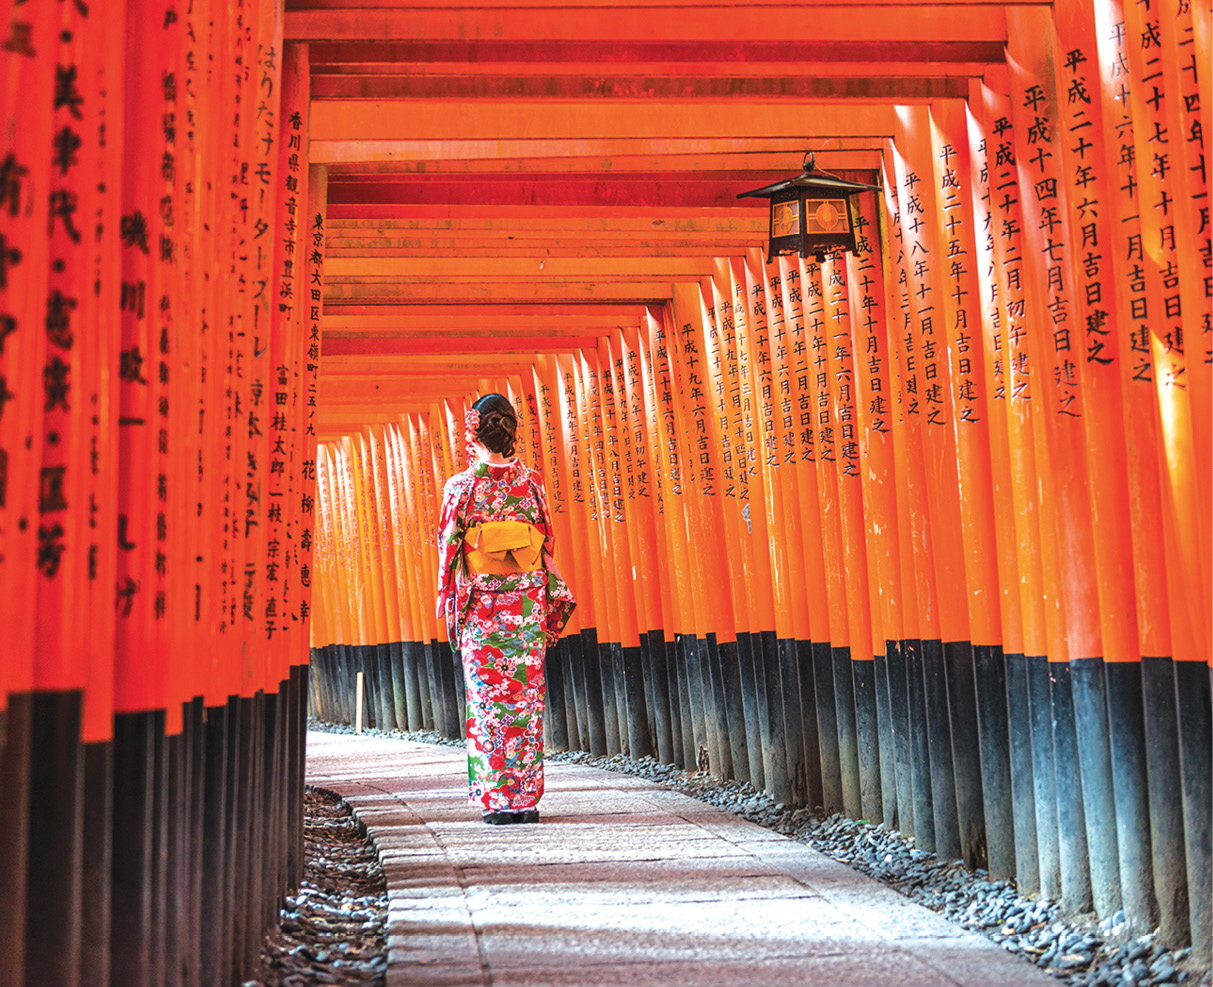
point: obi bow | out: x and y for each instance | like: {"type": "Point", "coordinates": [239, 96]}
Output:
{"type": "Point", "coordinates": [503, 548]}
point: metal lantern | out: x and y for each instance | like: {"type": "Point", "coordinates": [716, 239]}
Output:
{"type": "Point", "coordinates": [810, 213]}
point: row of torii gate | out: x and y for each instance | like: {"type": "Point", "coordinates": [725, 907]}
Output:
{"type": "Point", "coordinates": [919, 532]}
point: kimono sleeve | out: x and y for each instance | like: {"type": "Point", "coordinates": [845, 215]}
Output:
{"type": "Point", "coordinates": [559, 602]}
{"type": "Point", "coordinates": [451, 527]}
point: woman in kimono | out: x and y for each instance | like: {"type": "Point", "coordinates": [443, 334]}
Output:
{"type": "Point", "coordinates": [504, 603]}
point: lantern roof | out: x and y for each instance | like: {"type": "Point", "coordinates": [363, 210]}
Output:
{"type": "Point", "coordinates": [810, 177]}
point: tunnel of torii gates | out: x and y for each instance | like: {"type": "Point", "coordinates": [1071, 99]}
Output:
{"type": "Point", "coordinates": [919, 533]}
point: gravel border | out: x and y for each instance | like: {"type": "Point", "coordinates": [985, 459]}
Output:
{"type": "Point", "coordinates": [334, 930]}
{"type": "Point", "coordinates": [1080, 953]}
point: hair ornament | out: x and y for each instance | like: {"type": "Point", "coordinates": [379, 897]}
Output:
{"type": "Point", "coordinates": [471, 425]}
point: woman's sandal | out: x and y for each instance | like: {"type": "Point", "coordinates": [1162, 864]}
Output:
{"type": "Point", "coordinates": [508, 817]}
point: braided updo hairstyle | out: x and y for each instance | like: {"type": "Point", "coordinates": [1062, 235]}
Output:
{"type": "Point", "coordinates": [498, 424]}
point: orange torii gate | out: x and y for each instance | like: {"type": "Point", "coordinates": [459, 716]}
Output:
{"type": "Point", "coordinates": [909, 515]}
{"type": "Point", "coordinates": [156, 487]}
{"type": "Point", "coordinates": [921, 534]}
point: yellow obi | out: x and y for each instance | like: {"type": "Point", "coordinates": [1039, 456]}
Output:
{"type": "Point", "coordinates": [503, 548]}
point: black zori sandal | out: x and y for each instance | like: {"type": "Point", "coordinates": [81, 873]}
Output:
{"type": "Point", "coordinates": [507, 817]}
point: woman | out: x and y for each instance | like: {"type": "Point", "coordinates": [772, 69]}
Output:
{"type": "Point", "coordinates": [504, 603]}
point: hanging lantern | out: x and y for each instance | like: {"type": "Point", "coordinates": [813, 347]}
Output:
{"type": "Point", "coordinates": [811, 214]}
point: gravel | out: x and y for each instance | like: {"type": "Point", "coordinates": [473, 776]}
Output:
{"type": "Point", "coordinates": [1079, 952]}
{"type": "Point", "coordinates": [334, 931]}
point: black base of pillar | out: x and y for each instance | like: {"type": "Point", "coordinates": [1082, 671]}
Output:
{"type": "Point", "coordinates": [1044, 775]}
{"type": "Point", "coordinates": [54, 894]}
{"type": "Point", "coordinates": [160, 840]}
{"type": "Point", "coordinates": [716, 706]}
{"type": "Point", "coordinates": [1192, 696]}
{"type": "Point", "coordinates": [793, 720]}
{"type": "Point", "coordinates": [216, 870]}
{"type": "Point", "coordinates": [96, 878]}
{"type": "Point", "coordinates": [867, 738]}
{"type": "Point", "coordinates": [404, 693]}
{"type": "Point", "coordinates": [749, 708]}
{"type": "Point", "coordinates": [1071, 823]}
{"type": "Point", "coordinates": [992, 703]}
{"type": "Point", "coordinates": [775, 759]}
{"type": "Point", "coordinates": [450, 666]}
{"type": "Point", "coordinates": [195, 718]}
{"type": "Point", "coordinates": [660, 696]}
{"type": "Point", "coordinates": [1023, 791]}
{"type": "Point", "coordinates": [575, 711]}
{"type": "Point", "coordinates": [734, 711]}
{"type": "Point", "coordinates": [884, 731]}
{"type": "Point", "coordinates": [431, 706]}
{"type": "Point", "coordinates": [640, 740]}
{"type": "Point", "coordinates": [966, 751]}
{"type": "Point", "coordinates": [690, 689]}
{"type": "Point", "coordinates": [848, 738]}
{"type": "Point", "coordinates": [1124, 719]}
{"type": "Point", "coordinates": [133, 839]}
{"type": "Point", "coordinates": [557, 721]}
{"type": "Point", "coordinates": [939, 740]}
{"type": "Point", "coordinates": [387, 687]}
{"type": "Point", "coordinates": [16, 730]}
{"type": "Point", "coordinates": [827, 727]}
{"type": "Point", "coordinates": [651, 704]}
{"type": "Point", "coordinates": [178, 910]}
{"type": "Point", "coordinates": [920, 748]}
{"type": "Point", "coordinates": [899, 715]}
{"type": "Point", "coordinates": [606, 694]}
{"type": "Point", "coordinates": [596, 718]}
{"type": "Point", "coordinates": [298, 774]}
{"type": "Point", "coordinates": [405, 659]}
{"type": "Point", "coordinates": [614, 695]}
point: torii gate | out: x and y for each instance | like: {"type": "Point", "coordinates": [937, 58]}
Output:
{"type": "Point", "coordinates": [923, 533]}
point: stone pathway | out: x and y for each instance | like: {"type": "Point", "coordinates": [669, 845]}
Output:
{"type": "Point", "coordinates": [622, 883]}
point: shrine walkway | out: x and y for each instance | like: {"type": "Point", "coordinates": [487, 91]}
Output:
{"type": "Point", "coordinates": [624, 882]}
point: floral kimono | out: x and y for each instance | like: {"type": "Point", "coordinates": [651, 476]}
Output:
{"type": "Point", "coordinates": [502, 626]}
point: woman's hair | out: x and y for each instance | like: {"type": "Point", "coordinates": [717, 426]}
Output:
{"type": "Point", "coordinates": [498, 424]}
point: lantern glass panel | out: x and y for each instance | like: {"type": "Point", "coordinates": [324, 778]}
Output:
{"type": "Point", "coordinates": [785, 219]}
{"type": "Point", "coordinates": [824, 217]}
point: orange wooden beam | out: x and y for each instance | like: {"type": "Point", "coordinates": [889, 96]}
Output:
{"type": "Point", "coordinates": [586, 84]}
{"type": "Point", "coordinates": [906, 23]}
{"type": "Point", "coordinates": [397, 331]}
{"type": "Point", "coordinates": [620, 247]}
{"type": "Point", "coordinates": [419, 365]}
{"type": "Point", "coordinates": [501, 241]}
{"type": "Point", "coordinates": [600, 147]}
{"type": "Point", "coordinates": [389, 396]}
{"type": "Point", "coordinates": [553, 292]}
{"type": "Point", "coordinates": [740, 58]}
{"type": "Point", "coordinates": [830, 158]}
{"type": "Point", "coordinates": [453, 346]}
{"type": "Point", "coordinates": [354, 119]}
{"type": "Point", "coordinates": [761, 8]}
{"type": "Point", "coordinates": [349, 409]}
{"type": "Point", "coordinates": [357, 393]}
{"type": "Point", "coordinates": [541, 221]}
{"type": "Point", "coordinates": [496, 268]}
{"type": "Point", "coordinates": [492, 309]}
{"type": "Point", "coordinates": [557, 191]}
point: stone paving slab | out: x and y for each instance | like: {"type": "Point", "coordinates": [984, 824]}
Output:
{"type": "Point", "coordinates": [626, 883]}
